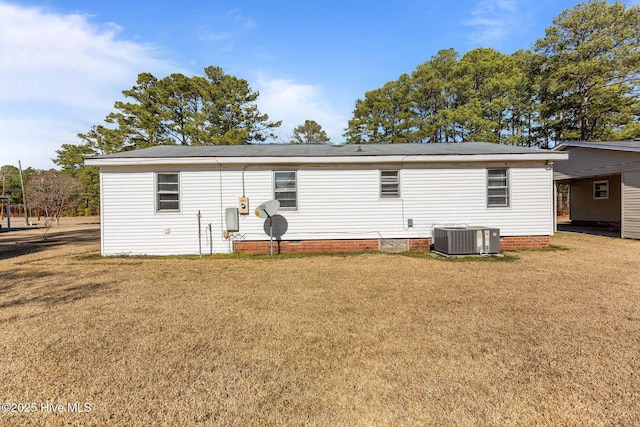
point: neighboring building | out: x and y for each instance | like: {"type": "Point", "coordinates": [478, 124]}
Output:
{"type": "Point", "coordinates": [333, 198]}
{"type": "Point", "coordinates": [604, 179]}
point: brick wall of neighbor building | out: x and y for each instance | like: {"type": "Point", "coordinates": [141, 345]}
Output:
{"type": "Point", "coordinates": [360, 245]}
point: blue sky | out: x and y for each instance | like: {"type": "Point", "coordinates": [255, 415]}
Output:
{"type": "Point", "coordinates": [63, 64]}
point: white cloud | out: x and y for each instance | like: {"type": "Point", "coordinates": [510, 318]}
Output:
{"type": "Point", "coordinates": [60, 75]}
{"type": "Point", "coordinates": [34, 140]}
{"type": "Point", "coordinates": [293, 103]}
{"type": "Point", "coordinates": [495, 20]}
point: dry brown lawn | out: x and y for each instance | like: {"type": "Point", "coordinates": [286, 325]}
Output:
{"type": "Point", "coordinates": [550, 338]}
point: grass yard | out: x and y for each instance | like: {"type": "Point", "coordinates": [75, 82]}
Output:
{"type": "Point", "coordinates": [551, 338]}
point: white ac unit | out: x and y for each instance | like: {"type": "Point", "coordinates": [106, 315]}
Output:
{"type": "Point", "coordinates": [466, 240]}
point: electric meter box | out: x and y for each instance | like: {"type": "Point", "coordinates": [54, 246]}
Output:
{"type": "Point", "coordinates": [243, 205]}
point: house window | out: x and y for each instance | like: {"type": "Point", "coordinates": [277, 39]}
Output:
{"type": "Point", "coordinates": [167, 192]}
{"type": "Point", "coordinates": [389, 183]}
{"type": "Point", "coordinates": [497, 187]}
{"type": "Point", "coordinates": [600, 190]}
{"type": "Point", "coordinates": [285, 189]}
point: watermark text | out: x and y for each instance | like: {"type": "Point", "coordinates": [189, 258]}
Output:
{"type": "Point", "coordinates": [47, 407]}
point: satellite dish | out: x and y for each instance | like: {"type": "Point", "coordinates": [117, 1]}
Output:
{"type": "Point", "coordinates": [260, 212]}
{"type": "Point", "coordinates": [267, 209]}
{"type": "Point", "coordinates": [275, 226]}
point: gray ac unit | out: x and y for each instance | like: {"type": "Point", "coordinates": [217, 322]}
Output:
{"type": "Point", "coordinates": [466, 240]}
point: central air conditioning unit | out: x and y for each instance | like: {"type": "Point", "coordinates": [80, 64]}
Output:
{"type": "Point", "coordinates": [466, 240]}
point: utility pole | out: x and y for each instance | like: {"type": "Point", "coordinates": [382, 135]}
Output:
{"type": "Point", "coordinates": [2, 204]}
{"type": "Point", "coordinates": [24, 197]}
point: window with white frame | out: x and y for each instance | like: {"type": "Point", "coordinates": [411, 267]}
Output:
{"type": "Point", "coordinates": [498, 187]}
{"type": "Point", "coordinates": [167, 192]}
{"type": "Point", "coordinates": [601, 190]}
{"type": "Point", "coordinates": [285, 189]}
{"type": "Point", "coordinates": [389, 183]}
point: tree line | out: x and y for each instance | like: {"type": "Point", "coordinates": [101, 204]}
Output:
{"type": "Point", "coordinates": [579, 82]}
{"type": "Point", "coordinates": [214, 109]}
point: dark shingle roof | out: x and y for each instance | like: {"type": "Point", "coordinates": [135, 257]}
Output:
{"type": "Point", "coordinates": [606, 145]}
{"type": "Point", "coordinates": [312, 150]}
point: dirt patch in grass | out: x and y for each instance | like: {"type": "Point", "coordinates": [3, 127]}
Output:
{"type": "Point", "coordinates": [71, 234]}
{"type": "Point", "coordinates": [552, 337]}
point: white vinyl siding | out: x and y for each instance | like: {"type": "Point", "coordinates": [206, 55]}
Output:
{"type": "Point", "coordinates": [389, 183]}
{"type": "Point", "coordinates": [335, 202]}
{"type": "Point", "coordinates": [631, 205]}
{"type": "Point", "coordinates": [498, 187]}
{"type": "Point", "coordinates": [458, 196]}
{"type": "Point", "coordinates": [285, 189]}
{"type": "Point", "coordinates": [167, 192]}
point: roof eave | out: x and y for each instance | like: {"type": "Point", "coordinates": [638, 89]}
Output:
{"type": "Point", "coordinates": [467, 158]}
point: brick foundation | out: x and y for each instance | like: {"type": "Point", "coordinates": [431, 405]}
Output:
{"type": "Point", "coordinates": [320, 246]}
{"type": "Point", "coordinates": [524, 242]}
{"type": "Point", "coordinates": [419, 244]}
{"type": "Point", "coordinates": [361, 245]}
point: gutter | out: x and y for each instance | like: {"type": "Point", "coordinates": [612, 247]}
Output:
{"type": "Point", "coordinates": [433, 159]}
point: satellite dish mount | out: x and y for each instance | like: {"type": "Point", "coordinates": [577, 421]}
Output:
{"type": "Point", "coordinates": [268, 210]}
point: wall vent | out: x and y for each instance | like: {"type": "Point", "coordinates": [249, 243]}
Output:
{"type": "Point", "coordinates": [466, 240]}
{"type": "Point", "coordinates": [393, 246]}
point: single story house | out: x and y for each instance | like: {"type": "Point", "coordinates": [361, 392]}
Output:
{"type": "Point", "coordinates": [604, 180]}
{"type": "Point", "coordinates": [168, 200]}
